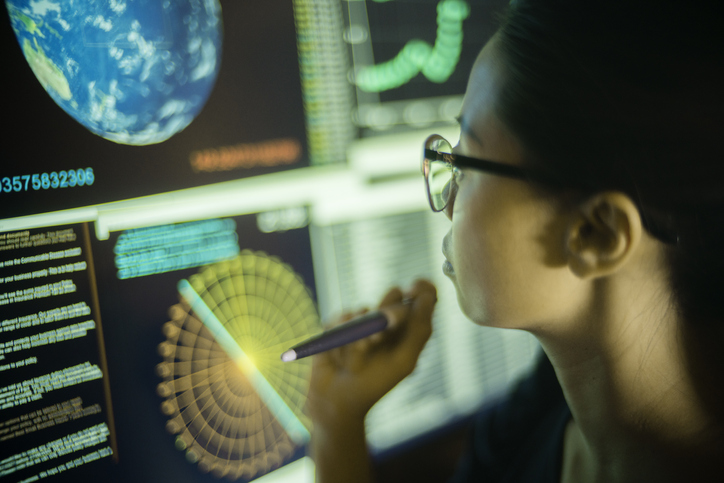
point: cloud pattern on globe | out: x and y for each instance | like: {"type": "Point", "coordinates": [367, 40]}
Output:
{"type": "Point", "coordinates": [132, 71]}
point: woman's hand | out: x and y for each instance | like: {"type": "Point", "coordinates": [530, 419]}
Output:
{"type": "Point", "coordinates": [346, 382]}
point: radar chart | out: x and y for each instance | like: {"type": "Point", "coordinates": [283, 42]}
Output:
{"type": "Point", "coordinates": [235, 408]}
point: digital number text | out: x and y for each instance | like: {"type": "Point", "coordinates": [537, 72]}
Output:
{"type": "Point", "coordinates": [44, 181]}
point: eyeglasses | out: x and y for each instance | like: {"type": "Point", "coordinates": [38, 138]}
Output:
{"type": "Point", "coordinates": [440, 168]}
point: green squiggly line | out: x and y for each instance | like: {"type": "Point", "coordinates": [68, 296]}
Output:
{"type": "Point", "coordinates": [436, 63]}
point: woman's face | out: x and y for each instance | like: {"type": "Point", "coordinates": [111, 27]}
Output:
{"type": "Point", "coordinates": [506, 244]}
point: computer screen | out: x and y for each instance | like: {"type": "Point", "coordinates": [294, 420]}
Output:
{"type": "Point", "coordinates": [187, 190]}
{"type": "Point", "coordinates": [411, 59]}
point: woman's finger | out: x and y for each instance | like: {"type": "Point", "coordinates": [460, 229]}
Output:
{"type": "Point", "coordinates": [392, 297]}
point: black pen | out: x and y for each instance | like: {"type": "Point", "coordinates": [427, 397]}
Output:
{"type": "Point", "coordinates": [351, 331]}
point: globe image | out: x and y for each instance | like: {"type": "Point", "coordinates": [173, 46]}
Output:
{"type": "Point", "coordinates": [132, 71]}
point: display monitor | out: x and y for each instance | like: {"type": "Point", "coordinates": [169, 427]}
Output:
{"type": "Point", "coordinates": [411, 58]}
{"type": "Point", "coordinates": [178, 206]}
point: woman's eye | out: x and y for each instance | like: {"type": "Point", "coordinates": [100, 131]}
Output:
{"type": "Point", "coordinates": [458, 174]}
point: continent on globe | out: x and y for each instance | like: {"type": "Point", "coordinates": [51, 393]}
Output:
{"type": "Point", "coordinates": [49, 75]}
{"type": "Point", "coordinates": [132, 71]}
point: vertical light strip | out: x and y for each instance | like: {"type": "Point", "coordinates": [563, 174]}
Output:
{"type": "Point", "coordinates": [328, 95]}
{"type": "Point", "coordinates": [286, 417]}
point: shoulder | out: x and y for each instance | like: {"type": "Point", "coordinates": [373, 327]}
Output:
{"type": "Point", "coordinates": [519, 437]}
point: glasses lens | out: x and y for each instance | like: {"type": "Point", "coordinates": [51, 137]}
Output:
{"type": "Point", "coordinates": [439, 173]}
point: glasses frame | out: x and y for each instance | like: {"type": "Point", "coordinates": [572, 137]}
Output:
{"type": "Point", "coordinates": [515, 172]}
{"type": "Point", "coordinates": [457, 160]}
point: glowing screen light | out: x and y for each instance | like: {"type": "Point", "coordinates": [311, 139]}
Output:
{"type": "Point", "coordinates": [436, 62]}
{"type": "Point", "coordinates": [160, 249]}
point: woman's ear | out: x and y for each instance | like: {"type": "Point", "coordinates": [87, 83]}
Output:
{"type": "Point", "coordinates": [605, 231]}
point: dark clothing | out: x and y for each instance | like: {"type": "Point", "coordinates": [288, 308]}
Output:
{"type": "Point", "coordinates": [520, 437]}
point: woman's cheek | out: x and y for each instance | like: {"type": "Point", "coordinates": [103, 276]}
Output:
{"type": "Point", "coordinates": [469, 265]}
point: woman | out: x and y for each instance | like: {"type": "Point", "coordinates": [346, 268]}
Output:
{"type": "Point", "coordinates": [601, 234]}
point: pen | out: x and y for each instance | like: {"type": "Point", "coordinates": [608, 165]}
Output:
{"type": "Point", "coordinates": [351, 331]}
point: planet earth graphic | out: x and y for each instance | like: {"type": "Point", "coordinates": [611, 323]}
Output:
{"type": "Point", "coordinates": [132, 71]}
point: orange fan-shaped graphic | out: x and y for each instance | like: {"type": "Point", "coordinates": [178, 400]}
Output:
{"type": "Point", "coordinates": [236, 408]}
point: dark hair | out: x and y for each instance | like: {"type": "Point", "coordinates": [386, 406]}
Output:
{"type": "Point", "coordinates": [629, 96]}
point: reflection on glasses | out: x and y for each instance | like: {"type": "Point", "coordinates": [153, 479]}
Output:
{"type": "Point", "coordinates": [440, 167]}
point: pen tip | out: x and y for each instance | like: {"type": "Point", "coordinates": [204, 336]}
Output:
{"type": "Point", "coordinates": [289, 356]}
